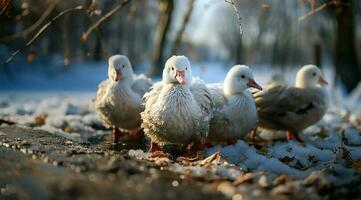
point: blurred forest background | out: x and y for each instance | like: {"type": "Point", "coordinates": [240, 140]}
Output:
{"type": "Point", "coordinates": [276, 33]}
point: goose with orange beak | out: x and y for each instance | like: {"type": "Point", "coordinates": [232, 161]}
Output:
{"type": "Point", "coordinates": [235, 112]}
{"type": "Point", "coordinates": [118, 101]}
{"type": "Point", "coordinates": [177, 109]}
{"type": "Point", "coordinates": [293, 108]}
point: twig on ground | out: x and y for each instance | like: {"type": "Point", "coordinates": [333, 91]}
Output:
{"type": "Point", "coordinates": [34, 26]}
{"type": "Point", "coordinates": [105, 17]}
{"type": "Point", "coordinates": [238, 15]}
{"type": "Point", "coordinates": [43, 29]}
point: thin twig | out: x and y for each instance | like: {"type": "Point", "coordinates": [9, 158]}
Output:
{"type": "Point", "coordinates": [238, 15]}
{"type": "Point", "coordinates": [105, 17]}
{"type": "Point", "coordinates": [99, 36]}
{"type": "Point", "coordinates": [33, 27]}
{"type": "Point", "coordinates": [42, 30]}
{"type": "Point", "coordinates": [321, 7]}
{"type": "Point", "coordinates": [5, 7]}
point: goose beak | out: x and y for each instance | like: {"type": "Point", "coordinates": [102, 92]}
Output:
{"type": "Point", "coordinates": [118, 74]}
{"type": "Point", "coordinates": [322, 81]}
{"type": "Point", "coordinates": [252, 83]}
{"type": "Point", "coordinates": [180, 76]}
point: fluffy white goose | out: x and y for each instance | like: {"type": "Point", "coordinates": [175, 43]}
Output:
{"type": "Point", "coordinates": [177, 109]}
{"type": "Point", "coordinates": [119, 100]}
{"type": "Point", "coordinates": [235, 112]}
{"type": "Point", "coordinates": [293, 108]}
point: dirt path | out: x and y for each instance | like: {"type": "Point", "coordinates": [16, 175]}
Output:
{"type": "Point", "coordinates": [37, 164]}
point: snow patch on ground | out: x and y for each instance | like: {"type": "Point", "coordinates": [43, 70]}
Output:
{"type": "Point", "coordinates": [332, 145]}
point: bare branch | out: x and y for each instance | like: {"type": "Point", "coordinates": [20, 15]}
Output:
{"type": "Point", "coordinates": [99, 36]}
{"type": "Point", "coordinates": [43, 29]}
{"type": "Point", "coordinates": [105, 17]}
{"type": "Point", "coordinates": [34, 26]}
{"type": "Point", "coordinates": [238, 15]}
{"type": "Point", "coordinates": [315, 10]}
{"type": "Point", "coordinates": [7, 4]}
{"type": "Point", "coordinates": [312, 4]}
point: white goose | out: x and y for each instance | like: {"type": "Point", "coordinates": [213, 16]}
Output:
{"type": "Point", "coordinates": [118, 100]}
{"type": "Point", "coordinates": [235, 112]}
{"type": "Point", "coordinates": [177, 109]}
{"type": "Point", "coordinates": [293, 108]}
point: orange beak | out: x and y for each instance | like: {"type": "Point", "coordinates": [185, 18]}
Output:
{"type": "Point", "coordinates": [118, 74]}
{"type": "Point", "coordinates": [180, 76]}
{"type": "Point", "coordinates": [322, 81]}
{"type": "Point", "coordinates": [252, 83]}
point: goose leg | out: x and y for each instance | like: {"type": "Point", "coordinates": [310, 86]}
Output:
{"type": "Point", "coordinates": [231, 141]}
{"type": "Point", "coordinates": [157, 151]}
{"type": "Point", "coordinates": [256, 138]}
{"type": "Point", "coordinates": [192, 151]}
{"type": "Point", "coordinates": [136, 132]}
{"type": "Point", "coordinates": [205, 144]}
{"type": "Point", "coordinates": [154, 147]}
{"type": "Point", "coordinates": [298, 138]}
{"type": "Point", "coordinates": [291, 136]}
{"type": "Point", "coordinates": [253, 134]}
{"type": "Point", "coordinates": [116, 134]}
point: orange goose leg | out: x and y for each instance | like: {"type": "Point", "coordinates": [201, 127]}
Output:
{"type": "Point", "coordinates": [136, 132]}
{"type": "Point", "coordinates": [291, 136]}
{"type": "Point", "coordinates": [254, 137]}
{"type": "Point", "coordinates": [116, 133]}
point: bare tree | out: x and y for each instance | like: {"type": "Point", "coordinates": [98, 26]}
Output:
{"type": "Point", "coordinates": [347, 65]}
{"type": "Point", "coordinates": [87, 8]}
{"type": "Point", "coordinates": [181, 30]}
{"type": "Point", "coordinates": [164, 20]}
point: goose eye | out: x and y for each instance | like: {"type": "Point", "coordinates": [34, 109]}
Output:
{"type": "Point", "coordinates": [123, 66]}
{"type": "Point", "coordinates": [243, 76]}
{"type": "Point", "coordinates": [172, 68]}
{"type": "Point", "coordinates": [313, 74]}
{"type": "Point", "coordinates": [186, 68]}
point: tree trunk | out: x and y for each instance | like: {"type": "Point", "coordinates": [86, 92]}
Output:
{"type": "Point", "coordinates": [317, 54]}
{"type": "Point", "coordinates": [347, 66]}
{"type": "Point", "coordinates": [165, 15]}
{"type": "Point", "coordinates": [239, 53]}
{"type": "Point", "coordinates": [185, 21]}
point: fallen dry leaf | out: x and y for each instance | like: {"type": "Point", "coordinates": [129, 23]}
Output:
{"type": "Point", "coordinates": [287, 159]}
{"type": "Point", "coordinates": [40, 119]}
{"type": "Point", "coordinates": [214, 159]}
{"type": "Point", "coordinates": [31, 57]}
{"type": "Point", "coordinates": [356, 164]}
{"type": "Point", "coordinates": [163, 161]}
{"type": "Point", "coordinates": [243, 178]}
{"type": "Point", "coordinates": [68, 129]}
{"type": "Point", "coordinates": [282, 179]}
{"type": "Point", "coordinates": [263, 181]}
{"type": "Point", "coordinates": [312, 159]}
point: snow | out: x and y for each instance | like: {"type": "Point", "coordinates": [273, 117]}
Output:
{"type": "Point", "coordinates": [247, 158]}
{"type": "Point", "coordinates": [68, 114]}
{"type": "Point", "coordinates": [331, 145]}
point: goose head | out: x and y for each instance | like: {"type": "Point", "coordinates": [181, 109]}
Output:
{"type": "Point", "coordinates": [119, 68]}
{"type": "Point", "coordinates": [177, 70]}
{"type": "Point", "coordinates": [238, 79]}
{"type": "Point", "coordinates": [309, 76]}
